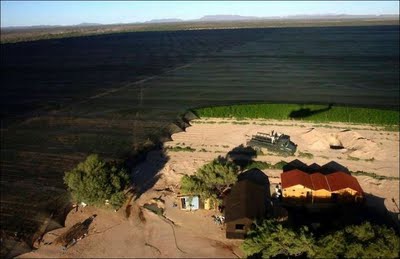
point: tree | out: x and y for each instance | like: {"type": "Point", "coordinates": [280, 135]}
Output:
{"type": "Point", "coordinates": [211, 180]}
{"type": "Point", "coordinates": [360, 241]}
{"type": "Point", "coordinates": [270, 238]}
{"type": "Point", "coordinates": [330, 245]}
{"type": "Point", "coordinates": [94, 181]}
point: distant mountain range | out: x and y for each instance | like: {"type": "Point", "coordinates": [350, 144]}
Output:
{"type": "Point", "coordinates": [225, 18]}
{"type": "Point", "coordinates": [88, 24]}
{"type": "Point", "coordinates": [84, 24]}
{"type": "Point", "coordinates": [172, 20]}
{"type": "Point", "coordinates": [218, 18]}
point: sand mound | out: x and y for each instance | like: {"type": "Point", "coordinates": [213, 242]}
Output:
{"type": "Point", "coordinates": [354, 143]}
{"type": "Point", "coordinates": [360, 146]}
{"type": "Point", "coordinates": [315, 140]}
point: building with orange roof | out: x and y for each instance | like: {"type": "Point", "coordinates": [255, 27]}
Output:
{"type": "Point", "coordinates": [315, 186]}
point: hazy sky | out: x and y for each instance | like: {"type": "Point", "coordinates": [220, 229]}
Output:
{"type": "Point", "coordinates": [16, 13]}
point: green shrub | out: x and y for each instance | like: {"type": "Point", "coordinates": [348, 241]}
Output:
{"type": "Point", "coordinates": [259, 165]}
{"type": "Point", "coordinates": [241, 122]}
{"type": "Point", "coordinates": [265, 165]}
{"type": "Point", "coordinates": [352, 158]}
{"type": "Point", "coordinates": [259, 152]}
{"type": "Point", "coordinates": [280, 165]}
{"type": "Point", "coordinates": [374, 175]}
{"type": "Point", "coordinates": [94, 181]}
{"type": "Point", "coordinates": [181, 149]}
{"type": "Point", "coordinates": [306, 155]}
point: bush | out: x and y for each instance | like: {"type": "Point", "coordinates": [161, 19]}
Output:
{"type": "Point", "coordinates": [374, 175]}
{"type": "Point", "coordinates": [265, 165]}
{"type": "Point", "coordinates": [179, 149]}
{"type": "Point", "coordinates": [259, 165]}
{"type": "Point", "coordinates": [306, 155]}
{"type": "Point", "coordinates": [94, 181]}
{"type": "Point", "coordinates": [280, 165]}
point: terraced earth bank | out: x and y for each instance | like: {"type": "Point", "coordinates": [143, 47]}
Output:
{"type": "Point", "coordinates": [62, 99]}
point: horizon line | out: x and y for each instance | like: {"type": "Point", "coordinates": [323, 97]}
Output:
{"type": "Point", "coordinates": [203, 16]}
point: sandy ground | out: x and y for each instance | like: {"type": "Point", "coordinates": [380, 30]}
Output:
{"type": "Point", "coordinates": [194, 234]}
{"type": "Point", "coordinates": [366, 148]}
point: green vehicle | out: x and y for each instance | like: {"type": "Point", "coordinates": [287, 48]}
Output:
{"type": "Point", "coordinates": [275, 142]}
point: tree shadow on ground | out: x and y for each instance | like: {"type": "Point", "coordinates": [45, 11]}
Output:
{"type": "Point", "coordinates": [307, 112]}
{"type": "Point", "coordinates": [146, 173]}
{"type": "Point", "coordinates": [242, 156]}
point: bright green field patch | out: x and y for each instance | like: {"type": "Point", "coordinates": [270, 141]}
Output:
{"type": "Point", "coordinates": [316, 113]}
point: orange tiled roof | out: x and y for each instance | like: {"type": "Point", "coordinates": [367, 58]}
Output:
{"type": "Point", "coordinates": [317, 181]}
{"type": "Point", "coordinates": [340, 180]}
{"type": "Point", "coordinates": [295, 177]}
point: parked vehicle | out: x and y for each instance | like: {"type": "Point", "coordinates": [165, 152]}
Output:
{"type": "Point", "coordinates": [275, 142]}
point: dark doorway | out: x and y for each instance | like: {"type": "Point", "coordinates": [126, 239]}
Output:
{"type": "Point", "coordinates": [239, 227]}
{"type": "Point", "coordinates": [183, 202]}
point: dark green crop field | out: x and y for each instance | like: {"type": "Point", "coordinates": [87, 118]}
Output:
{"type": "Point", "coordinates": [62, 99]}
{"type": "Point", "coordinates": [316, 113]}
